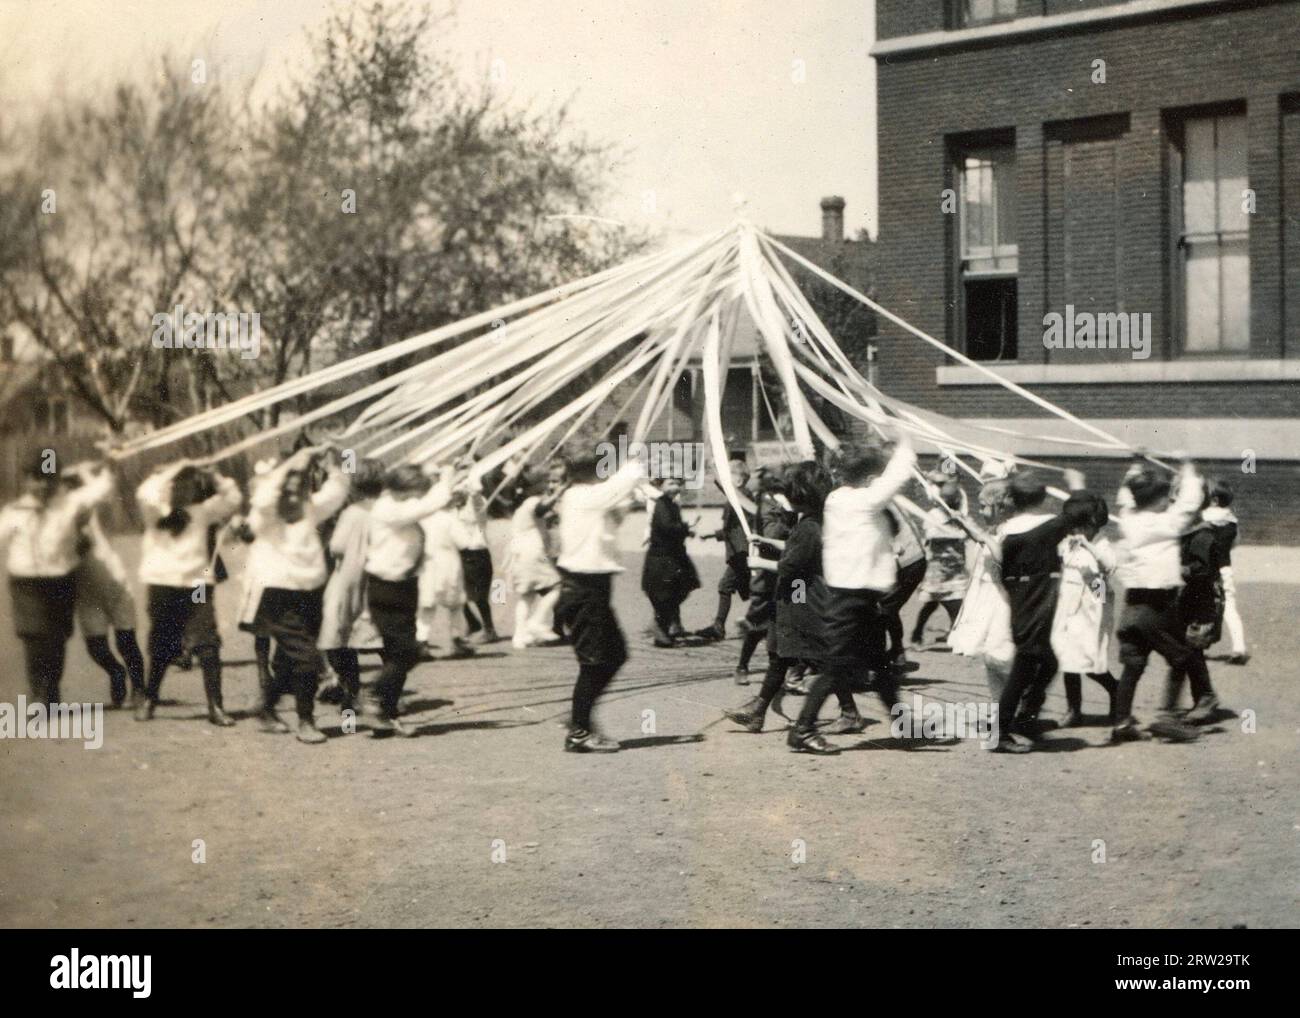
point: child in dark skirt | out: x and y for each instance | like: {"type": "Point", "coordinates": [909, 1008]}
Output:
{"type": "Point", "coordinates": [1152, 521]}
{"type": "Point", "coordinates": [43, 527]}
{"type": "Point", "coordinates": [1031, 574]}
{"type": "Point", "coordinates": [394, 552]}
{"type": "Point", "coordinates": [668, 576]}
{"type": "Point", "coordinates": [285, 517]}
{"type": "Point", "coordinates": [860, 569]}
{"type": "Point", "coordinates": [1200, 611]}
{"type": "Point", "coordinates": [181, 505]}
{"type": "Point", "coordinates": [797, 633]}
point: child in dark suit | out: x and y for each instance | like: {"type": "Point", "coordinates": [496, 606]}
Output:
{"type": "Point", "coordinates": [1031, 573]}
{"type": "Point", "coordinates": [668, 576]}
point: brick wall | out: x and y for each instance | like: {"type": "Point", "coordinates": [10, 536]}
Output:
{"type": "Point", "coordinates": [1114, 177]}
{"type": "Point", "coordinates": [908, 17]}
{"type": "Point", "coordinates": [1093, 218]}
{"type": "Point", "coordinates": [1062, 6]}
{"type": "Point", "coordinates": [1264, 503]}
{"type": "Point", "coordinates": [1290, 166]}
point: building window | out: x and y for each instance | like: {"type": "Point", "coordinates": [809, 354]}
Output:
{"type": "Point", "coordinates": [969, 13]}
{"type": "Point", "coordinates": [1214, 234]}
{"type": "Point", "coordinates": [989, 258]}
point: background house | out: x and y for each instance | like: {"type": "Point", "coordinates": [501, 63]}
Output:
{"type": "Point", "coordinates": [38, 410]}
{"type": "Point", "coordinates": [1117, 157]}
{"type": "Point", "coordinates": [753, 410]}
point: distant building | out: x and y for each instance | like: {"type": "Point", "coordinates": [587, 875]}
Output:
{"type": "Point", "coordinates": [1044, 163]}
{"type": "Point", "coordinates": [754, 417]}
{"type": "Point", "coordinates": [38, 410]}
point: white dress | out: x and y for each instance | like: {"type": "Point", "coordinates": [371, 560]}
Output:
{"type": "Point", "coordinates": [983, 626]}
{"type": "Point", "coordinates": [528, 561]}
{"type": "Point", "coordinates": [1085, 611]}
{"type": "Point", "coordinates": [442, 577]}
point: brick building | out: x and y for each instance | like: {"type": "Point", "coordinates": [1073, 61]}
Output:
{"type": "Point", "coordinates": [1094, 158]}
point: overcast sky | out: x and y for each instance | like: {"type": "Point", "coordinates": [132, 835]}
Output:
{"type": "Point", "coordinates": [770, 99]}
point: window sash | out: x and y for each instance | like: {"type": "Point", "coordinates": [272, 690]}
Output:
{"type": "Point", "coordinates": [982, 12]}
{"type": "Point", "coordinates": [1214, 235]}
{"type": "Point", "coordinates": [987, 206]}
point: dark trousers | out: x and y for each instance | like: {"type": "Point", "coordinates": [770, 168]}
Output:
{"type": "Point", "coordinates": [891, 604]}
{"type": "Point", "coordinates": [292, 619]}
{"type": "Point", "coordinates": [477, 564]}
{"type": "Point", "coordinates": [952, 606]}
{"type": "Point", "coordinates": [42, 612]}
{"type": "Point", "coordinates": [1074, 688]}
{"type": "Point", "coordinates": [592, 681]}
{"type": "Point", "coordinates": [667, 613]}
{"type": "Point", "coordinates": [1196, 670]}
{"type": "Point", "coordinates": [855, 644]}
{"type": "Point", "coordinates": [98, 649]}
{"type": "Point", "coordinates": [347, 667]}
{"type": "Point", "coordinates": [587, 619]}
{"type": "Point", "coordinates": [735, 580]}
{"type": "Point", "coordinates": [1031, 674]}
{"type": "Point", "coordinates": [171, 610]}
{"type": "Point", "coordinates": [392, 609]}
{"type": "Point", "coordinates": [822, 687]}
{"type": "Point", "coordinates": [44, 656]}
{"type": "Point", "coordinates": [1149, 622]}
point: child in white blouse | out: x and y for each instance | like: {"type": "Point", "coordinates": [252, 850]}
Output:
{"type": "Point", "coordinates": [180, 504]}
{"type": "Point", "coordinates": [43, 527]}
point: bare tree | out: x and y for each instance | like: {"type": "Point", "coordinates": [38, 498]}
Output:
{"type": "Point", "coordinates": [375, 197]}
{"type": "Point", "coordinates": [115, 217]}
{"type": "Point", "coordinates": [389, 197]}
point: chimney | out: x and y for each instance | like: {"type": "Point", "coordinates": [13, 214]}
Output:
{"type": "Point", "coordinates": [833, 218]}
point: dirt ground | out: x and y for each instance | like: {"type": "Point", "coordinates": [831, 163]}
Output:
{"type": "Point", "coordinates": [484, 821]}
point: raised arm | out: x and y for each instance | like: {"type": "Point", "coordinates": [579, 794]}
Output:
{"type": "Point", "coordinates": [154, 496]}
{"type": "Point", "coordinates": [1187, 503]}
{"type": "Point", "coordinates": [1124, 497]}
{"type": "Point", "coordinates": [413, 510]}
{"type": "Point", "coordinates": [351, 518]}
{"type": "Point", "coordinates": [97, 486]}
{"type": "Point", "coordinates": [221, 506]}
{"type": "Point", "coordinates": [892, 479]}
{"type": "Point", "coordinates": [333, 493]}
{"type": "Point", "coordinates": [614, 490]}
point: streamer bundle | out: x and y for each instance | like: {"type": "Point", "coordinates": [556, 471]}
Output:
{"type": "Point", "coordinates": [493, 393]}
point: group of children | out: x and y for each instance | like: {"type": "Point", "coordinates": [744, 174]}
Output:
{"type": "Point", "coordinates": [1038, 598]}
{"type": "Point", "coordinates": [340, 560]}
{"type": "Point", "coordinates": [329, 550]}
